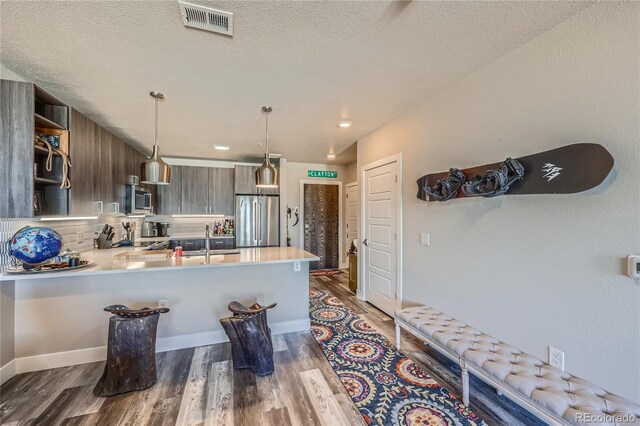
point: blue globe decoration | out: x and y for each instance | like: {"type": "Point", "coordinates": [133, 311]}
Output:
{"type": "Point", "coordinates": [34, 245]}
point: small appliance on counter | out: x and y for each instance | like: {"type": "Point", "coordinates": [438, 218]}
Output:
{"type": "Point", "coordinates": [163, 229]}
{"type": "Point", "coordinates": [149, 229]}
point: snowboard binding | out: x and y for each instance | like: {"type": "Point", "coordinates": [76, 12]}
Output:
{"type": "Point", "coordinates": [495, 182]}
{"type": "Point", "coordinates": [447, 188]}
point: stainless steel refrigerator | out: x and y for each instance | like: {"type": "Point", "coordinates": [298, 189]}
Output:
{"type": "Point", "coordinates": [257, 220]}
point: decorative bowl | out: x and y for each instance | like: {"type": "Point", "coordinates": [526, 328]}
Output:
{"type": "Point", "coordinates": [34, 245]}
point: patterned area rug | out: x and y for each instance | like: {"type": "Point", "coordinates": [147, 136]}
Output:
{"type": "Point", "coordinates": [324, 272]}
{"type": "Point", "coordinates": [386, 386]}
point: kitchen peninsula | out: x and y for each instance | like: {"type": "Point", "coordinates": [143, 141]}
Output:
{"type": "Point", "coordinates": [59, 319]}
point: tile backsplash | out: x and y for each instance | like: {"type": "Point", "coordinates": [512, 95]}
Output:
{"type": "Point", "coordinates": [188, 225]}
{"type": "Point", "coordinates": [8, 227]}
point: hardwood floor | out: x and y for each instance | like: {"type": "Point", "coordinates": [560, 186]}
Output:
{"type": "Point", "coordinates": [198, 386]}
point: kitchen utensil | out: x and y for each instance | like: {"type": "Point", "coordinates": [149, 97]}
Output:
{"type": "Point", "coordinates": [127, 228]}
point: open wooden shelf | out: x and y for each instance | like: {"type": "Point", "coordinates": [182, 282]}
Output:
{"type": "Point", "coordinates": [41, 150]}
{"type": "Point", "coordinates": [45, 122]}
{"type": "Point", "coordinates": [46, 181]}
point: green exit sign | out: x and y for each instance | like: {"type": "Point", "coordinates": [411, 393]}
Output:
{"type": "Point", "coordinates": [331, 174]}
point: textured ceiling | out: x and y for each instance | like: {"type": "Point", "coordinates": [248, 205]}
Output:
{"type": "Point", "coordinates": [314, 62]}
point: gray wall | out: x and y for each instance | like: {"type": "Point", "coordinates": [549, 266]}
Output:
{"type": "Point", "coordinates": [534, 270]}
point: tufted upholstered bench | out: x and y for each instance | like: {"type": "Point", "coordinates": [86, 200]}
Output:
{"type": "Point", "coordinates": [551, 394]}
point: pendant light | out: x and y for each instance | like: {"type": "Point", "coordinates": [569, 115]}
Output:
{"type": "Point", "coordinates": [267, 174]}
{"type": "Point", "coordinates": [155, 171]}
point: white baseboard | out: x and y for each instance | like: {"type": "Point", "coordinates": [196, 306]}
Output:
{"type": "Point", "coordinates": [163, 344]}
{"type": "Point", "coordinates": [7, 371]}
{"type": "Point", "coordinates": [60, 359]}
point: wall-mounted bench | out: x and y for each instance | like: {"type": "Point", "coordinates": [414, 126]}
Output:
{"type": "Point", "coordinates": [549, 393]}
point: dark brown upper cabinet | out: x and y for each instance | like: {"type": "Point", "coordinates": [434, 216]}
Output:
{"type": "Point", "coordinates": [198, 190]}
{"type": "Point", "coordinates": [101, 163]}
{"type": "Point", "coordinates": [245, 181]}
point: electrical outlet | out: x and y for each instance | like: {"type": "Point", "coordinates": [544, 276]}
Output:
{"type": "Point", "coordinates": [425, 238]}
{"type": "Point", "coordinates": [556, 358]}
{"type": "Point", "coordinates": [79, 237]}
{"type": "Point", "coordinates": [296, 266]}
{"type": "Point", "coordinates": [163, 303]}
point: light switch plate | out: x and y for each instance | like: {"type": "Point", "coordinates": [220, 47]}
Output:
{"type": "Point", "coordinates": [296, 266]}
{"type": "Point", "coordinates": [425, 238]}
{"type": "Point", "coordinates": [79, 237]}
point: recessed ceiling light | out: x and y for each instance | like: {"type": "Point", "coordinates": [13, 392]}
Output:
{"type": "Point", "coordinates": [221, 147]}
{"type": "Point", "coordinates": [344, 124]}
{"type": "Point", "coordinates": [331, 156]}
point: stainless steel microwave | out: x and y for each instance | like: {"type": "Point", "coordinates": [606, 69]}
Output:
{"type": "Point", "coordinates": [138, 200]}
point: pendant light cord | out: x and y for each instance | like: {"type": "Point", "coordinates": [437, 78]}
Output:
{"type": "Point", "coordinates": [155, 138]}
{"type": "Point", "coordinates": [266, 155]}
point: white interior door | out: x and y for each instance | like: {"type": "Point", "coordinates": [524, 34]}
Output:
{"type": "Point", "coordinates": [352, 212]}
{"type": "Point", "coordinates": [380, 203]}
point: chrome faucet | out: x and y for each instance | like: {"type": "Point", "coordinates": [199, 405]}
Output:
{"type": "Point", "coordinates": [207, 245]}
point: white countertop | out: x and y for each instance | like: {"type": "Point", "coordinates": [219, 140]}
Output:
{"type": "Point", "coordinates": [106, 265]}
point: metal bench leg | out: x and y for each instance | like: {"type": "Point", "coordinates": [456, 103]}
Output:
{"type": "Point", "coordinates": [397, 336]}
{"type": "Point", "coordinates": [465, 383]}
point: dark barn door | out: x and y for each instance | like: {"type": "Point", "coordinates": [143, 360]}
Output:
{"type": "Point", "coordinates": [321, 224]}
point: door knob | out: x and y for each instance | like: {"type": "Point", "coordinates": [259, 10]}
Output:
{"type": "Point", "coordinates": [366, 242]}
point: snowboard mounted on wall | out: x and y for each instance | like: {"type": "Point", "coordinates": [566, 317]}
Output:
{"type": "Point", "coordinates": [566, 170]}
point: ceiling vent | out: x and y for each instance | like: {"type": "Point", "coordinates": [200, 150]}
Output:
{"type": "Point", "coordinates": [205, 18]}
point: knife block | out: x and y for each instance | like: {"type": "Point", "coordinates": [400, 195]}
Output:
{"type": "Point", "coordinates": [103, 243]}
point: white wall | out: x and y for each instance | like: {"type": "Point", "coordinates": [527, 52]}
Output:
{"type": "Point", "coordinates": [534, 270]}
{"type": "Point", "coordinates": [350, 173]}
{"type": "Point", "coordinates": [294, 174]}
